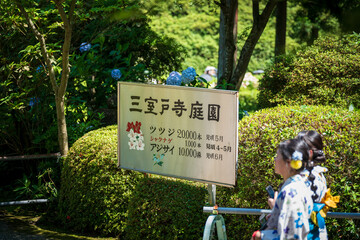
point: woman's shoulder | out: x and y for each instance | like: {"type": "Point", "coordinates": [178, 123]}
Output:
{"type": "Point", "coordinates": [294, 182]}
{"type": "Point", "coordinates": [296, 192]}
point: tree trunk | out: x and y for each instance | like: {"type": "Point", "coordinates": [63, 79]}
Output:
{"type": "Point", "coordinates": [61, 124]}
{"type": "Point", "coordinates": [259, 24]}
{"type": "Point", "coordinates": [227, 40]}
{"type": "Point", "coordinates": [221, 54]}
{"type": "Point", "coordinates": [59, 89]}
{"type": "Point", "coordinates": [280, 38]}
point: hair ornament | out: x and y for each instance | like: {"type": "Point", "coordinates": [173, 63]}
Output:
{"type": "Point", "coordinates": [319, 153]}
{"type": "Point", "coordinates": [311, 164]}
{"type": "Point", "coordinates": [296, 160]}
{"type": "Point", "coordinates": [297, 156]}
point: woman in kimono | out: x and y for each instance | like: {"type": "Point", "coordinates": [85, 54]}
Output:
{"type": "Point", "coordinates": [314, 173]}
{"type": "Point", "coordinates": [316, 182]}
{"type": "Point", "coordinates": [290, 215]}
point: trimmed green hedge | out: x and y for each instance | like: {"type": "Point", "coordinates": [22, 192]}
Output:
{"type": "Point", "coordinates": [97, 196]}
{"type": "Point", "coordinates": [327, 73]}
{"type": "Point", "coordinates": [95, 193]}
{"type": "Point", "coordinates": [259, 136]}
{"type": "Point", "coordinates": [166, 209]}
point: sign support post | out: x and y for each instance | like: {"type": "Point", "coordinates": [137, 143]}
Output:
{"type": "Point", "coordinates": [212, 194]}
{"type": "Point", "coordinates": [214, 222]}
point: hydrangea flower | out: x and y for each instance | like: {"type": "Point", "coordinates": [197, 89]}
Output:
{"type": "Point", "coordinates": [33, 101]}
{"type": "Point", "coordinates": [188, 75]}
{"type": "Point", "coordinates": [38, 69]}
{"type": "Point", "coordinates": [85, 46]}
{"type": "Point", "coordinates": [116, 74]}
{"type": "Point", "coordinates": [174, 79]}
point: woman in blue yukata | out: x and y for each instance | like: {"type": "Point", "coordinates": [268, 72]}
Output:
{"type": "Point", "coordinates": [316, 182]}
{"type": "Point", "coordinates": [290, 215]}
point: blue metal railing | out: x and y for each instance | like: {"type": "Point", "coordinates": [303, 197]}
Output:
{"type": "Point", "coordinates": [254, 211]}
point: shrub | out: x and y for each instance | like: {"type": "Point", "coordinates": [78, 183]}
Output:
{"type": "Point", "coordinates": [166, 209]}
{"type": "Point", "coordinates": [97, 196]}
{"type": "Point", "coordinates": [326, 73]}
{"type": "Point", "coordinates": [259, 136]}
{"type": "Point", "coordinates": [95, 193]}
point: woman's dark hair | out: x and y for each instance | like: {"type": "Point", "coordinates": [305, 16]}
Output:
{"type": "Point", "coordinates": [314, 142]}
{"type": "Point", "coordinates": [288, 147]}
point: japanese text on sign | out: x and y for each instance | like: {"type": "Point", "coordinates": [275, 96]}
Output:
{"type": "Point", "coordinates": [160, 106]}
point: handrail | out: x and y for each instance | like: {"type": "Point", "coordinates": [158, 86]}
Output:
{"type": "Point", "coordinates": [23, 202]}
{"type": "Point", "coordinates": [28, 157]}
{"type": "Point", "coordinates": [255, 211]}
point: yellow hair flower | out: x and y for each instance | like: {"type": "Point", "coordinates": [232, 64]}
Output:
{"type": "Point", "coordinates": [296, 160]}
{"type": "Point", "coordinates": [296, 164]}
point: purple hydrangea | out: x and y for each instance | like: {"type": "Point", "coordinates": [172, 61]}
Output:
{"type": "Point", "coordinates": [188, 75]}
{"type": "Point", "coordinates": [85, 46]}
{"type": "Point", "coordinates": [116, 74]}
{"type": "Point", "coordinates": [174, 79]}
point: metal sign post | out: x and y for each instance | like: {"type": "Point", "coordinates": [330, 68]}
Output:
{"type": "Point", "coordinates": [215, 222]}
{"type": "Point", "coordinates": [212, 194]}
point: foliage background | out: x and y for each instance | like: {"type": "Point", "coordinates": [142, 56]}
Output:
{"type": "Point", "coordinates": [196, 28]}
{"type": "Point", "coordinates": [160, 38]}
{"type": "Point", "coordinates": [327, 73]}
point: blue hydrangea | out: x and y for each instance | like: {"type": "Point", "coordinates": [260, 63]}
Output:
{"type": "Point", "coordinates": [116, 74]}
{"type": "Point", "coordinates": [33, 101]}
{"type": "Point", "coordinates": [84, 47]}
{"type": "Point", "coordinates": [174, 79]}
{"type": "Point", "coordinates": [38, 69]}
{"type": "Point", "coordinates": [188, 75]}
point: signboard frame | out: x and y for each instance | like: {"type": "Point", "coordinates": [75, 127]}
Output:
{"type": "Point", "coordinates": [189, 91]}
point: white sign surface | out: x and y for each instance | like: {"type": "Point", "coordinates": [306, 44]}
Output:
{"type": "Point", "coordinates": [181, 132]}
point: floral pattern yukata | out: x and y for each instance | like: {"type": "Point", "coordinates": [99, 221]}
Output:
{"type": "Point", "coordinates": [291, 214]}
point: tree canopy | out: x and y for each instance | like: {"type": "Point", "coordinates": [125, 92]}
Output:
{"type": "Point", "coordinates": [120, 38]}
